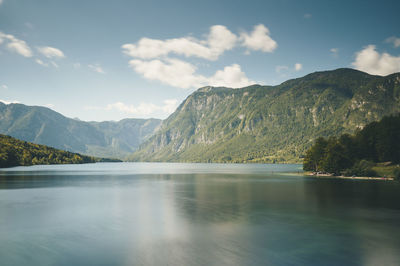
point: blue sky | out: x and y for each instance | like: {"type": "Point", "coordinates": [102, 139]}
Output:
{"type": "Point", "coordinates": [108, 60]}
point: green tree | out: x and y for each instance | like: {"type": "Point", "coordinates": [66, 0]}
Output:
{"type": "Point", "coordinates": [14, 152]}
{"type": "Point", "coordinates": [314, 156]}
{"type": "Point", "coordinates": [336, 159]}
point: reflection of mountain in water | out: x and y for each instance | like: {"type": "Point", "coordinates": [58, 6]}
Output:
{"type": "Point", "coordinates": [227, 197]}
{"type": "Point", "coordinates": [195, 219]}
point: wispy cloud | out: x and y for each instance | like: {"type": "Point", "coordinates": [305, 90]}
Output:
{"type": "Point", "coordinates": [97, 68]}
{"type": "Point", "coordinates": [4, 86]}
{"type": "Point", "coordinates": [40, 62]}
{"type": "Point", "coordinates": [373, 62]}
{"type": "Point", "coordinates": [15, 45]}
{"type": "Point", "coordinates": [334, 51]}
{"type": "Point", "coordinates": [307, 16]}
{"type": "Point", "coordinates": [51, 52]}
{"type": "Point", "coordinates": [279, 69]}
{"type": "Point", "coordinates": [20, 47]}
{"type": "Point", "coordinates": [46, 64]}
{"type": "Point", "coordinates": [29, 25]}
{"type": "Point", "coordinates": [50, 105]}
{"type": "Point", "coordinates": [54, 64]}
{"type": "Point", "coordinates": [143, 109]}
{"type": "Point", "coordinates": [394, 40]}
{"type": "Point", "coordinates": [298, 67]}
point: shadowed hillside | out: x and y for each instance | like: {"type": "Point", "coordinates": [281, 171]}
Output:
{"type": "Point", "coordinates": [42, 125]}
{"type": "Point", "coordinates": [14, 152]}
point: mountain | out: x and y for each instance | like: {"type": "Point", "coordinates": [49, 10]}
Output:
{"type": "Point", "coordinates": [271, 123]}
{"type": "Point", "coordinates": [42, 125]}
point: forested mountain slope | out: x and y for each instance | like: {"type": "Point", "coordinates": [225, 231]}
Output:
{"type": "Point", "coordinates": [14, 152]}
{"type": "Point", "coordinates": [271, 123]}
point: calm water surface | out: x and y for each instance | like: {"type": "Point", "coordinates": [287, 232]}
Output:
{"type": "Point", "coordinates": [194, 214]}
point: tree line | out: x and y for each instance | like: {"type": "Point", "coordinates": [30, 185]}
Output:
{"type": "Point", "coordinates": [14, 152]}
{"type": "Point", "coordinates": [356, 154]}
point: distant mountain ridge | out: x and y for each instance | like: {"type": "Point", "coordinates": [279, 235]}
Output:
{"type": "Point", "coordinates": [42, 125]}
{"type": "Point", "coordinates": [271, 123]}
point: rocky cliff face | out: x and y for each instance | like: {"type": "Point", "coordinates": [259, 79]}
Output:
{"type": "Point", "coordinates": [271, 123]}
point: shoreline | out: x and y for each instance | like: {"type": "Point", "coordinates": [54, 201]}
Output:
{"type": "Point", "coordinates": [349, 177]}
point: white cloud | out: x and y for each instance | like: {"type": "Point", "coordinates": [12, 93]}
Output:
{"type": "Point", "coordinates": [218, 41]}
{"type": "Point", "coordinates": [21, 47]}
{"type": "Point", "coordinates": [307, 16]}
{"type": "Point", "coordinates": [370, 61]}
{"type": "Point", "coordinates": [97, 68]}
{"type": "Point", "coordinates": [4, 86]}
{"type": "Point", "coordinates": [182, 74]}
{"type": "Point", "coordinates": [50, 52]}
{"type": "Point", "coordinates": [16, 45]}
{"type": "Point", "coordinates": [1, 1]}
{"type": "Point", "coordinates": [173, 72]}
{"type": "Point", "coordinates": [144, 109]}
{"type": "Point", "coordinates": [298, 66]}
{"type": "Point", "coordinates": [152, 57]}
{"type": "Point", "coordinates": [394, 40]}
{"type": "Point", "coordinates": [8, 102]}
{"type": "Point", "coordinates": [230, 76]}
{"type": "Point", "coordinates": [259, 39]}
{"type": "Point", "coordinates": [170, 105]}
{"type": "Point", "coordinates": [77, 65]}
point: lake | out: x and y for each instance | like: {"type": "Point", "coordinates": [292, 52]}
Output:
{"type": "Point", "coordinates": [194, 214]}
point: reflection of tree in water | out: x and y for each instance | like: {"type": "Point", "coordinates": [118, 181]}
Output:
{"type": "Point", "coordinates": [328, 194]}
{"type": "Point", "coordinates": [359, 214]}
{"type": "Point", "coordinates": [227, 197]}
{"type": "Point", "coordinates": [313, 220]}
{"type": "Point", "coordinates": [23, 180]}
{"type": "Point", "coordinates": [206, 199]}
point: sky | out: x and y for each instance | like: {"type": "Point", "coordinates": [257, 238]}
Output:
{"type": "Point", "coordinates": [108, 60]}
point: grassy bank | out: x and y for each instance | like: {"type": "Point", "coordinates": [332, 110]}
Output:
{"type": "Point", "coordinates": [382, 170]}
{"type": "Point", "coordinates": [387, 170]}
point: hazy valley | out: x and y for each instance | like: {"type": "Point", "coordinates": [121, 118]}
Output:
{"type": "Point", "coordinates": [42, 125]}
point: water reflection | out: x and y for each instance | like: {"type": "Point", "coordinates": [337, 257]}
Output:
{"type": "Point", "coordinates": [199, 218]}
